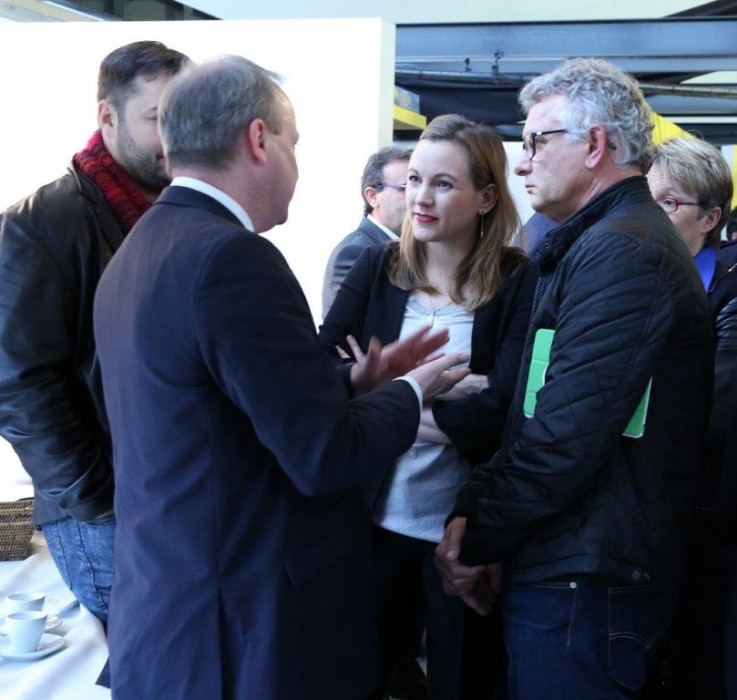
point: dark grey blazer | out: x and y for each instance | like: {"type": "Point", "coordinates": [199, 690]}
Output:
{"type": "Point", "coordinates": [343, 257]}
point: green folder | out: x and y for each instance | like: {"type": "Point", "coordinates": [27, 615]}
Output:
{"type": "Point", "coordinates": [536, 378]}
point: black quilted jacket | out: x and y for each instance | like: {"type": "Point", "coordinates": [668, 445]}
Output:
{"type": "Point", "coordinates": [567, 493]}
{"type": "Point", "coordinates": [719, 473]}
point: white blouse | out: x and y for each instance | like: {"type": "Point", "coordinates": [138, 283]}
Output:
{"type": "Point", "coordinates": [420, 490]}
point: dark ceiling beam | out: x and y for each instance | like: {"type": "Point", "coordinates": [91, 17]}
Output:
{"type": "Point", "coordinates": [676, 105]}
{"type": "Point", "coordinates": [478, 69]}
{"type": "Point", "coordinates": [151, 10]}
{"type": "Point", "coordinates": [637, 46]}
{"type": "Point", "coordinates": [720, 8]}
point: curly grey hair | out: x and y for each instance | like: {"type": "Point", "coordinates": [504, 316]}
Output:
{"type": "Point", "coordinates": [597, 92]}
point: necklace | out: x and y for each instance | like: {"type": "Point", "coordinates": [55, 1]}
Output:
{"type": "Point", "coordinates": [431, 315]}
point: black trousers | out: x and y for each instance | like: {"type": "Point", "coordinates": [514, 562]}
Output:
{"type": "Point", "coordinates": [465, 658]}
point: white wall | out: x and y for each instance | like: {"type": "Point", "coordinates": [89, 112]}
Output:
{"type": "Point", "coordinates": [516, 183]}
{"type": "Point", "coordinates": [338, 73]}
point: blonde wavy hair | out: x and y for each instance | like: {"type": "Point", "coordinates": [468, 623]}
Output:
{"type": "Point", "coordinates": [483, 268]}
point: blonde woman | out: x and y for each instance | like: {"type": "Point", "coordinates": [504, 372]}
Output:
{"type": "Point", "coordinates": [452, 267]}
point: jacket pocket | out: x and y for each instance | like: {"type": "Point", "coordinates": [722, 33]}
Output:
{"type": "Point", "coordinates": [638, 619]}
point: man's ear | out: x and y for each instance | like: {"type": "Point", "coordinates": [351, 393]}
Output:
{"type": "Point", "coordinates": [598, 145]}
{"type": "Point", "coordinates": [371, 196]}
{"type": "Point", "coordinates": [256, 139]}
{"type": "Point", "coordinates": [107, 115]}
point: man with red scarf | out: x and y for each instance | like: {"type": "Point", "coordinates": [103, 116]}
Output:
{"type": "Point", "coordinates": [54, 246]}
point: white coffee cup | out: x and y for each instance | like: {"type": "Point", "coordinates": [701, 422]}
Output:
{"type": "Point", "coordinates": [24, 629]}
{"type": "Point", "coordinates": [16, 602]}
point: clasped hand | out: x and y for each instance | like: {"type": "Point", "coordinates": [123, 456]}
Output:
{"type": "Point", "coordinates": [478, 587]}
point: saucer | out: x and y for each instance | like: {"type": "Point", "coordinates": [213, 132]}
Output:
{"type": "Point", "coordinates": [48, 645]}
{"type": "Point", "coordinates": [52, 622]}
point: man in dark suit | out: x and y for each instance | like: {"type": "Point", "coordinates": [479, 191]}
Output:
{"type": "Point", "coordinates": [382, 188]}
{"type": "Point", "coordinates": [242, 545]}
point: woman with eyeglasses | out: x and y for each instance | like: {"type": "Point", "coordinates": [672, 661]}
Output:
{"type": "Point", "coordinates": [452, 267]}
{"type": "Point", "coordinates": [692, 182]}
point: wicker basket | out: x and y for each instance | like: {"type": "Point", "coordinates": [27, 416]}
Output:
{"type": "Point", "coordinates": [15, 529]}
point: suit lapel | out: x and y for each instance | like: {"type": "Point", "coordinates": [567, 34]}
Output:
{"type": "Point", "coordinates": [373, 231]}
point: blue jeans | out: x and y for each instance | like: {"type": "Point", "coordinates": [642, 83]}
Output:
{"type": "Point", "coordinates": [582, 637]}
{"type": "Point", "coordinates": [83, 553]}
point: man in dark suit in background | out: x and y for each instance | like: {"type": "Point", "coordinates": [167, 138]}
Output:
{"type": "Point", "coordinates": [242, 549]}
{"type": "Point", "coordinates": [382, 187]}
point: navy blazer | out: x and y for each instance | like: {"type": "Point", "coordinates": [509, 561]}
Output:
{"type": "Point", "coordinates": [368, 304]}
{"type": "Point", "coordinates": [242, 549]}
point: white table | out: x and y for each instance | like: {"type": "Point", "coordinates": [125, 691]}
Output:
{"type": "Point", "coordinates": [70, 673]}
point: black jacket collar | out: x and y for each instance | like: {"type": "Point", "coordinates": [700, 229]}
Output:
{"type": "Point", "coordinates": [557, 243]}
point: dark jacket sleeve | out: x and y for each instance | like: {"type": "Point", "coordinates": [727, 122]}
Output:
{"type": "Point", "coordinates": [725, 328]}
{"type": "Point", "coordinates": [44, 411]}
{"type": "Point", "coordinates": [265, 357]}
{"type": "Point", "coordinates": [599, 367]}
{"type": "Point", "coordinates": [721, 463]}
{"type": "Point", "coordinates": [726, 494]}
{"type": "Point", "coordinates": [475, 424]}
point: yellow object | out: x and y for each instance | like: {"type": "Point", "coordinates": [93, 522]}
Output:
{"type": "Point", "coordinates": [406, 119]}
{"type": "Point", "coordinates": [666, 129]}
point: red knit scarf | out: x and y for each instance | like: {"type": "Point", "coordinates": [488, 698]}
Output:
{"type": "Point", "coordinates": [124, 196]}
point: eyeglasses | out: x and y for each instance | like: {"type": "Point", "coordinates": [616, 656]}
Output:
{"type": "Point", "coordinates": [398, 188]}
{"type": "Point", "coordinates": [670, 204]}
{"type": "Point", "coordinates": [529, 140]}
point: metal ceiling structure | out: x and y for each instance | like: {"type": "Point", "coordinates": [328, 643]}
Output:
{"type": "Point", "coordinates": [478, 69]}
{"type": "Point", "coordinates": [686, 63]}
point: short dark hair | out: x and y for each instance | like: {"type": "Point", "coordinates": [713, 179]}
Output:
{"type": "Point", "coordinates": [373, 173]}
{"type": "Point", "coordinates": [120, 68]}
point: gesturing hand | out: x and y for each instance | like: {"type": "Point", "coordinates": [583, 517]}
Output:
{"type": "Point", "coordinates": [436, 376]}
{"type": "Point", "coordinates": [381, 364]}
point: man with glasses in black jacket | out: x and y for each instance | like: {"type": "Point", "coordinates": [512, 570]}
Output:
{"type": "Point", "coordinates": [587, 511]}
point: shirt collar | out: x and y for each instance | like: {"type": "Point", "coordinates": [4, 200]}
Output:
{"type": "Point", "coordinates": [393, 236]}
{"type": "Point", "coordinates": [218, 195]}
